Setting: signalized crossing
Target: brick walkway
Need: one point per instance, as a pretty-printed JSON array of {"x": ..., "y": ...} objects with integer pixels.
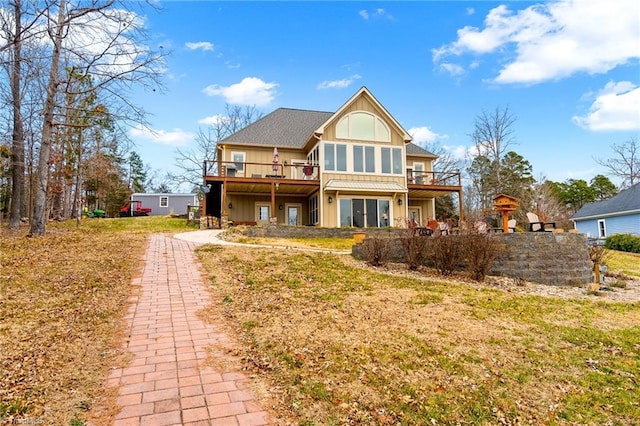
[{"x": 167, "y": 383}]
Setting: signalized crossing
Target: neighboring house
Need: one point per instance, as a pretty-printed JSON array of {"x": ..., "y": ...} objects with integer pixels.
[
  {"x": 353, "y": 167},
  {"x": 162, "y": 204},
  {"x": 619, "y": 214}
]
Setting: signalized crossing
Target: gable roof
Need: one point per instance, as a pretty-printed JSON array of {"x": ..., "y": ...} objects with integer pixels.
[
  {"x": 627, "y": 201},
  {"x": 284, "y": 127},
  {"x": 292, "y": 128},
  {"x": 365, "y": 92}
]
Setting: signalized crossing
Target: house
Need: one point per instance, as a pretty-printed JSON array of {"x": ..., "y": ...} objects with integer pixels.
[
  {"x": 619, "y": 214},
  {"x": 162, "y": 204},
  {"x": 355, "y": 167}
]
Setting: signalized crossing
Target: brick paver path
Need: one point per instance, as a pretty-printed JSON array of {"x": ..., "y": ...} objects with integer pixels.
[{"x": 167, "y": 383}]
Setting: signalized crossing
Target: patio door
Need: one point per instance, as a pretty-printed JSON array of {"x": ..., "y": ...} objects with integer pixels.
[
  {"x": 293, "y": 215},
  {"x": 415, "y": 213},
  {"x": 357, "y": 205},
  {"x": 263, "y": 212}
]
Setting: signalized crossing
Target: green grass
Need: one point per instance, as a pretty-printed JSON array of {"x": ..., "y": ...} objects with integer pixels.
[
  {"x": 142, "y": 224},
  {"x": 334, "y": 243}
]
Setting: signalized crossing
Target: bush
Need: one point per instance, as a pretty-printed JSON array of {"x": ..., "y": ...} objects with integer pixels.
[
  {"x": 480, "y": 251},
  {"x": 623, "y": 242},
  {"x": 415, "y": 248},
  {"x": 446, "y": 253},
  {"x": 376, "y": 251}
]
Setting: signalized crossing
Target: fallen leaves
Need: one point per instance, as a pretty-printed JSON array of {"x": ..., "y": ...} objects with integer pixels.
[{"x": 62, "y": 297}]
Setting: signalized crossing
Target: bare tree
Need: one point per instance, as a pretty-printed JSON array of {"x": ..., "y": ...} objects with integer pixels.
[
  {"x": 99, "y": 39},
  {"x": 189, "y": 162},
  {"x": 492, "y": 135},
  {"x": 626, "y": 165}
]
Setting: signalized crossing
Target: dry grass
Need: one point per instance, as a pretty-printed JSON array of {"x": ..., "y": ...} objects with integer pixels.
[
  {"x": 627, "y": 263},
  {"x": 338, "y": 343},
  {"x": 62, "y": 298}
]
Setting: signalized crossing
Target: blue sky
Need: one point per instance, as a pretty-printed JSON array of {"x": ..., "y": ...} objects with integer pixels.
[{"x": 568, "y": 71}]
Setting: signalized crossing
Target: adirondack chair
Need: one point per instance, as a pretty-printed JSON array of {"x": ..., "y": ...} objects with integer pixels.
[{"x": 536, "y": 225}]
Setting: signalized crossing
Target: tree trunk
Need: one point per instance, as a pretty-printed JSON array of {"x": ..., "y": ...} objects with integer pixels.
[
  {"x": 17, "y": 149},
  {"x": 40, "y": 210}
]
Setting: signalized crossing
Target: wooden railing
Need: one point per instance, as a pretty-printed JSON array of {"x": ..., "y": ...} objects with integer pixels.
[{"x": 261, "y": 170}]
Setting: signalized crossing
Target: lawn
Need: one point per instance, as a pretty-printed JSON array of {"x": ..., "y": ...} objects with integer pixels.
[
  {"x": 333, "y": 341},
  {"x": 338, "y": 343},
  {"x": 62, "y": 299}
]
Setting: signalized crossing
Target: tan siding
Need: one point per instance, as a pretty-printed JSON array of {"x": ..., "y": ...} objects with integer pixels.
[
  {"x": 428, "y": 163},
  {"x": 364, "y": 104},
  {"x": 264, "y": 158}
]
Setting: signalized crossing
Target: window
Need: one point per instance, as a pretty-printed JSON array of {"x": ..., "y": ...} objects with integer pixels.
[
  {"x": 397, "y": 161},
  {"x": 329, "y": 157},
  {"x": 238, "y": 158},
  {"x": 386, "y": 160},
  {"x": 364, "y": 159},
  {"x": 335, "y": 157},
  {"x": 364, "y": 126},
  {"x": 391, "y": 160},
  {"x": 313, "y": 210},
  {"x": 358, "y": 160},
  {"x": 602, "y": 229},
  {"x": 369, "y": 159},
  {"x": 164, "y": 201}
]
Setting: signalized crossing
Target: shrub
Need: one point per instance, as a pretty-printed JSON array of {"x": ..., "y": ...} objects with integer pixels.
[
  {"x": 446, "y": 253},
  {"x": 415, "y": 248},
  {"x": 480, "y": 251},
  {"x": 376, "y": 251},
  {"x": 623, "y": 242}
]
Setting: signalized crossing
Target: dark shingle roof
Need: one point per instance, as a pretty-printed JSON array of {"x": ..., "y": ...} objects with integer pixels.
[
  {"x": 626, "y": 201},
  {"x": 413, "y": 149},
  {"x": 283, "y": 127}
]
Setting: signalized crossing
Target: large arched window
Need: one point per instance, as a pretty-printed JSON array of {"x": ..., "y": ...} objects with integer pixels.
[{"x": 363, "y": 126}]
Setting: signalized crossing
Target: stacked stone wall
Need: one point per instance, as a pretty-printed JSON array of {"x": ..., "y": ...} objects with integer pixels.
[{"x": 541, "y": 257}]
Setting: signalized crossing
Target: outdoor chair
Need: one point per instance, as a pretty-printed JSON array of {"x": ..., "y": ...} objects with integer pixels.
[
  {"x": 536, "y": 225},
  {"x": 480, "y": 227},
  {"x": 511, "y": 224}
]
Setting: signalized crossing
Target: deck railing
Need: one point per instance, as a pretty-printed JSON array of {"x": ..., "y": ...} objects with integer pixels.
[
  {"x": 419, "y": 177},
  {"x": 261, "y": 170},
  {"x": 311, "y": 172}
]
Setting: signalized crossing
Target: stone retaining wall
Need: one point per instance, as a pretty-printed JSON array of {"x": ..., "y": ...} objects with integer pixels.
[
  {"x": 541, "y": 257},
  {"x": 546, "y": 258}
]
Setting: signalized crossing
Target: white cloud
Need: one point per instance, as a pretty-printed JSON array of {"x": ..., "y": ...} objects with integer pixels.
[
  {"x": 470, "y": 11},
  {"x": 213, "y": 120},
  {"x": 616, "y": 107},
  {"x": 199, "y": 45},
  {"x": 175, "y": 137},
  {"x": 553, "y": 40},
  {"x": 424, "y": 135},
  {"x": 452, "y": 69},
  {"x": 459, "y": 152},
  {"x": 250, "y": 91},
  {"x": 375, "y": 13},
  {"x": 338, "y": 84}
]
